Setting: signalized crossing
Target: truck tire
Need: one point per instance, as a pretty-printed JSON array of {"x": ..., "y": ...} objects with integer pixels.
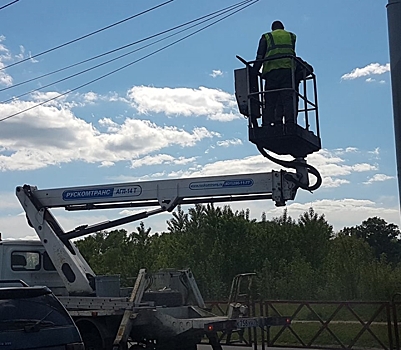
[{"x": 91, "y": 335}]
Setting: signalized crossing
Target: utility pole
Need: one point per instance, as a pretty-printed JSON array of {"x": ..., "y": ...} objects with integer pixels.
[{"x": 394, "y": 34}]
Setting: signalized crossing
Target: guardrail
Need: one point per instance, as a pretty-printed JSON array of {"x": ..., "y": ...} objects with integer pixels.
[{"x": 320, "y": 325}]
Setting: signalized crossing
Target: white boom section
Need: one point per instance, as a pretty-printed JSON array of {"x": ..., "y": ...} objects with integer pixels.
[
  {"x": 167, "y": 194},
  {"x": 68, "y": 261}
]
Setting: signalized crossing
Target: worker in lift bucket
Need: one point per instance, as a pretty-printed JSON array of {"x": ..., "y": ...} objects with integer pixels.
[
  {"x": 302, "y": 70},
  {"x": 277, "y": 74}
]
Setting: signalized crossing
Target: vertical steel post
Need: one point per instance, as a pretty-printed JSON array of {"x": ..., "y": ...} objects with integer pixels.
[{"x": 394, "y": 33}]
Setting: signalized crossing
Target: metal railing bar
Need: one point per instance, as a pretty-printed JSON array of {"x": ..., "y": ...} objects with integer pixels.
[
  {"x": 325, "y": 325},
  {"x": 288, "y": 327},
  {"x": 365, "y": 326}
]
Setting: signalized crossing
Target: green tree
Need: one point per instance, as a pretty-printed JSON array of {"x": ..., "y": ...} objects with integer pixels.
[
  {"x": 108, "y": 252},
  {"x": 300, "y": 259},
  {"x": 275, "y": 248},
  {"x": 142, "y": 251},
  {"x": 381, "y": 280},
  {"x": 117, "y": 252},
  {"x": 345, "y": 268},
  {"x": 381, "y": 236},
  {"x": 179, "y": 221},
  {"x": 213, "y": 241},
  {"x": 313, "y": 237}
]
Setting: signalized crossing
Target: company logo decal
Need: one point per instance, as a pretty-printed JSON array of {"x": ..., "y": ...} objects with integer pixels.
[
  {"x": 111, "y": 192},
  {"x": 210, "y": 185}
]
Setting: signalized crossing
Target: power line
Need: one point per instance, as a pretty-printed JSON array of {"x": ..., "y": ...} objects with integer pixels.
[
  {"x": 121, "y": 48},
  {"x": 87, "y": 35},
  {"x": 8, "y": 4},
  {"x": 222, "y": 11},
  {"x": 252, "y": 2}
]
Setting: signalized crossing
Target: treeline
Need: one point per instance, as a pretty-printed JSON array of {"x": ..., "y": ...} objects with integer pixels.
[{"x": 293, "y": 259}]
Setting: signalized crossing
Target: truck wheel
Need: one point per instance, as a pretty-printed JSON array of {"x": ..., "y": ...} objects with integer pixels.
[{"x": 90, "y": 335}]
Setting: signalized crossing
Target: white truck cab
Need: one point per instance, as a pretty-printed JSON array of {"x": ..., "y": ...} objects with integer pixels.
[{"x": 29, "y": 261}]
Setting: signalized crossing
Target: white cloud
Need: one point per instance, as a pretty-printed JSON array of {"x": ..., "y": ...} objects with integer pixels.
[
  {"x": 330, "y": 164},
  {"x": 332, "y": 168},
  {"x": 160, "y": 159},
  {"x": 253, "y": 164},
  {"x": 215, "y": 104},
  {"x": 342, "y": 212},
  {"x": 227, "y": 143},
  {"x": 375, "y": 152},
  {"x": 5, "y": 55},
  {"x": 361, "y": 167},
  {"x": 48, "y": 136},
  {"x": 339, "y": 212},
  {"x": 8, "y": 201},
  {"x": 56, "y": 98},
  {"x": 106, "y": 164},
  {"x": 378, "y": 178},
  {"x": 20, "y": 56},
  {"x": 342, "y": 151},
  {"x": 90, "y": 97},
  {"x": 33, "y": 60},
  {"x": 329, "y": 182},
  {"x": 16, "y": 227},
  {"x": 216, "y": 73},
  {"x": 371, "y": 69}
]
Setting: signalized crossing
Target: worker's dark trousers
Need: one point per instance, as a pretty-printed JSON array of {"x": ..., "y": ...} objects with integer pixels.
[{"x": 278, "y": 103}]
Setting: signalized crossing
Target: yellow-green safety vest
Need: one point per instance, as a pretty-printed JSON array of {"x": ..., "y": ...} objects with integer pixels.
[{"x": 279, "y": 42}]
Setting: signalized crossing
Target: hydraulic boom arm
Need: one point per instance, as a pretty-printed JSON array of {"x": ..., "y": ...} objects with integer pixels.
[{"x": 77, "y": 275}]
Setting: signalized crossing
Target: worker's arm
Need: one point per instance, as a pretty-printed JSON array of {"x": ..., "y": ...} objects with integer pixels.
[{"x": 261, "y": 52}]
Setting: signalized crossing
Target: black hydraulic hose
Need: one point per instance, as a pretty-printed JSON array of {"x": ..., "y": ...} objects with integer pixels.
[{"x": 294, "y": 164}]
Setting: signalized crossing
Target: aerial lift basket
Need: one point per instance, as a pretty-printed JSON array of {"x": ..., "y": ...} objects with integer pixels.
[{"x": 300, "y": 138}]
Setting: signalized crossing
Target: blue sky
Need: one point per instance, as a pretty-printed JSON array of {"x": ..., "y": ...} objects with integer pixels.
[{"x": 174, "y": 115}]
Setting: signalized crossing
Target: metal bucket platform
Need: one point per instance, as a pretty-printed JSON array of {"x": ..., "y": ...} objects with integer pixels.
[{"x": 285, "y": 139}]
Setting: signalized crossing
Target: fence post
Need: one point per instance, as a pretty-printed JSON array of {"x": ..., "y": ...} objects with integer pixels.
[
  {"x": 390, "y": 336},
  {"x": 395, "y": 320},
  {"x": 262, "y": 314},
  {"x": 255, "y": 333}
]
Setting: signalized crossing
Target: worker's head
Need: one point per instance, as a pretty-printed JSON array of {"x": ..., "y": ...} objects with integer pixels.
[{"x": 277, "y": 25}]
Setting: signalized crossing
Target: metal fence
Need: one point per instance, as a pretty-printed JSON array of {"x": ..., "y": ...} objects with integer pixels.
[{"x": 321, "y": 325}]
